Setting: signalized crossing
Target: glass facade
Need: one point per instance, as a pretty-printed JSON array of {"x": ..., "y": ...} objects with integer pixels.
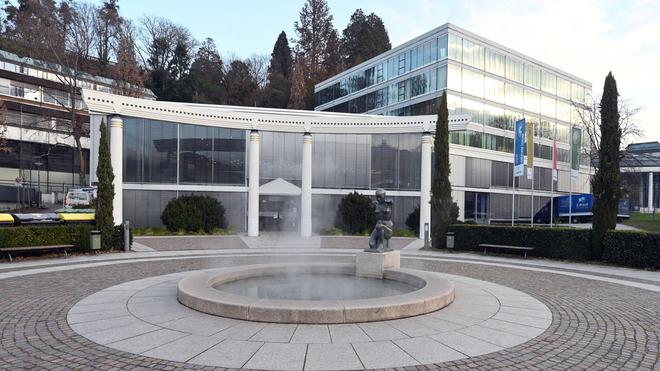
[{"x": 205, "y": 155}]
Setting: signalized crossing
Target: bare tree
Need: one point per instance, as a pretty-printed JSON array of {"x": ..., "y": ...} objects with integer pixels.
[
  {"x": 70, "y": 42},
  {"x": 128, "y": 77},
  {"x": 258, "y": 64},
  {"x": 588, "y": 116},
  {"x": 4, "y": 145}
]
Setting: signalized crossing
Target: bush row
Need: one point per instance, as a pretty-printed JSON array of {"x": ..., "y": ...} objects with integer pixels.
[
  {"x": 76, "y": 235},
  {"x": 556, "y": 243},
  {"x": 625, "y": 248},
  {"x": 632, "y": 249}
]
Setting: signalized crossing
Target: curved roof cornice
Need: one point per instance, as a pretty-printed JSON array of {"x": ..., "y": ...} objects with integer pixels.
[{"x": 268, "y": 119}]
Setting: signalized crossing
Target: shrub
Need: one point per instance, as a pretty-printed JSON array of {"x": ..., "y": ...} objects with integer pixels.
[
  {"x": 412, "y": 221},
  {"x": 76, "y": 235},
  {"x": 632, "y": 249},
  {"x": 556, "y": 243},
  {"x": 355, "y": 214},
  {"x": 194, "y": 213}
]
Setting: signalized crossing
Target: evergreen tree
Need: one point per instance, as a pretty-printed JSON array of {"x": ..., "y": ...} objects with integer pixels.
[
  {"x": 240, "y": 85},
  {"x": 441, "y": 202},
  {"x": 280, "y": 72},
  {"x": 106, "y": 190},
  {"x": 314, "y": 29},
  {"x": 333, "y": 64},
  {"x": 606, "y": 183},
  {"x": 363, "y": 38},
  {"x": 206, "y": 75}
]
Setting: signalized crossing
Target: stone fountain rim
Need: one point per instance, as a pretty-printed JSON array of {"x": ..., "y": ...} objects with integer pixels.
[{"x": 197, "y": 292}]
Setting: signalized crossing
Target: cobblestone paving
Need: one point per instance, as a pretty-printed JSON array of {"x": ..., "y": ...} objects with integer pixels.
[{"x": 596, "y": 325}]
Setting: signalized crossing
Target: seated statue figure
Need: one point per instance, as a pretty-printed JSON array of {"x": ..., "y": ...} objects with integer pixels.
[{"x": 380, "y": 237}]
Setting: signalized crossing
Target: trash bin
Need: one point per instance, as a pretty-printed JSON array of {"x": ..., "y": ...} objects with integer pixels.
[
  {"x": 95, "y": 240},
  {"x": 450, "y": 240}
]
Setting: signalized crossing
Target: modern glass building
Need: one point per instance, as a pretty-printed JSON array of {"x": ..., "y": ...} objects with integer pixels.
[{"x": 494, "y": 86}]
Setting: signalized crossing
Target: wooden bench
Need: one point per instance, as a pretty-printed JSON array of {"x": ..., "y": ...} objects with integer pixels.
[
  {"x": 10, "y": 250},
  {"x": 486, "y": 246}
]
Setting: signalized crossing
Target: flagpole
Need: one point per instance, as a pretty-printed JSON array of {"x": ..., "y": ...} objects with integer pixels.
[
  {"x": 513, "y": 182},
  {"x": 570, "y": 184},
  {"x": 552, "y": 182}
]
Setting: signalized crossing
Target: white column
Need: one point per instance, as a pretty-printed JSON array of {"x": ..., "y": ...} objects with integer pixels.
[
  {"x": 650, "y": 195},
  {"x": 425, "y": 186},
  {"x": 306, "y": 195},
  {"x": 253, "y": 189},
  {"x": 116, "y": 158}
]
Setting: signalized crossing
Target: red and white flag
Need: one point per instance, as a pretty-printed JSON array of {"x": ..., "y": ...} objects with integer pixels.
[{"x": 554, "y": 160}]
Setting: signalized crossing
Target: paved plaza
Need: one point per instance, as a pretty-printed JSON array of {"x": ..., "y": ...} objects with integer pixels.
[{"x": 120, "y": 311}]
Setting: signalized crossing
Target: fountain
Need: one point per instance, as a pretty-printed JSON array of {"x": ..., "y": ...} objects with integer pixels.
[{"x": 375, "y": 288}]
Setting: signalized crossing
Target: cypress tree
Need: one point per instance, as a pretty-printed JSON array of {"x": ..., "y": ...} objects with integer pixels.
[
  {"x": 606, "y": 184},
  {"x": 280, "y": 71},
  {"x": 106, "y": 190},
  {"x": 441, "y": 202}
]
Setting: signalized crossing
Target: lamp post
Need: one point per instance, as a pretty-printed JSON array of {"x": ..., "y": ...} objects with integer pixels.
[{"x": 38, "y": 164}]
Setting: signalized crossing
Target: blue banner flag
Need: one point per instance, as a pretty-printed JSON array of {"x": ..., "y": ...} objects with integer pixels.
[{"x": 519, "y": 149}]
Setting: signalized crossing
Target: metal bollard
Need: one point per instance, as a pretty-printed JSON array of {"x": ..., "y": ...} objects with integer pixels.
[
  {"x": 127, "y": 236},
  {"x": 426, "y": 236}
]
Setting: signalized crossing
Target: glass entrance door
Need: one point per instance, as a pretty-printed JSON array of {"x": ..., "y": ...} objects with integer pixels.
[{"x": 279, "y": 213}]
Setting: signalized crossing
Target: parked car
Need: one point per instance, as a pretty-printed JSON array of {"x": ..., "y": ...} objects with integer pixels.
[{"x": 80, "y": 197}]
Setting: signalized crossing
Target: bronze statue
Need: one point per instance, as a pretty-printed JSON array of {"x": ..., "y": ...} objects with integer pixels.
[{"x": 380, "y": 237}]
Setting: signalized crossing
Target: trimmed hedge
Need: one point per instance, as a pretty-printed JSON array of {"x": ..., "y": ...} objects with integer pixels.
[
  {"x": 624, "y": 248},
  {"x": 76, "y": 235},
  {"x": 555, "y": 243},
  {"x": 632, "y": 249}
]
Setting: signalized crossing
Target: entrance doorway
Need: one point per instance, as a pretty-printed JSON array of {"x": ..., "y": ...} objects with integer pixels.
[{"x": 279, "y": 213}]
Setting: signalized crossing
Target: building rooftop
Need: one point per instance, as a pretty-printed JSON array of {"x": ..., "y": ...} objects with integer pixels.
[
  {"x": 644, "y": 147},
  {"x": 450, "y": 26}
]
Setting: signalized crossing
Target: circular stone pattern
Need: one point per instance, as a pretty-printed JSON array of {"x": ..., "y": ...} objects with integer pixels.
[
  {"x": 143, "y": 317},
  {"x": 203, "y": 292}
]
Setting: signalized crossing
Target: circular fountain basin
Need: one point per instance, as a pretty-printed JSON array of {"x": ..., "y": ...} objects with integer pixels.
[{"x": 313, "y": 293}]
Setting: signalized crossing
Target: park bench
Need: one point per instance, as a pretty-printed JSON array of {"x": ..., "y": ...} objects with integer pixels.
[
  {"x": 10, "y": 250},
  {"x": 487, "y": 246}
]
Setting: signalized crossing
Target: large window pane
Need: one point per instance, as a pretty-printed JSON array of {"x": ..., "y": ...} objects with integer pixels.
[
  {"x": 455, "y": 47},
  {"x": 195, "y": 154},
  {"x": 514, "y": 96},
  {"x": 532, "y": 76},
  {"x": 548, "y": 82},
  {"x": 133, "y": 149},
  {"x": 532, "y": 101},
  {"x": 495, "y": 62},
  {"x": 473, "y": 83},
  {"x": 514, "y": 69},
  {"x": 228, "y": 156},
  {"x": 160, "y": 142},
  {"x": 494, "y": 89}
]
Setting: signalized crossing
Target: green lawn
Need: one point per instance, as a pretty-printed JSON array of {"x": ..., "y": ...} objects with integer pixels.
[{"x": 644, "y": 222}]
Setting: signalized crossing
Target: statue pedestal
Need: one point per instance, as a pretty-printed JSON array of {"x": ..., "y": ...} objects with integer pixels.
[{"x": 372, "y": 264}]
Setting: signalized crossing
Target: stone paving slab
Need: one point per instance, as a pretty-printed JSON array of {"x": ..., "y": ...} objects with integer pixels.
[
  {"x": 332, "y": 357},
  {"x": 229, "y": 353},
  {"x": 596, "y": 323},
  {"x": 426, "y": 350},
  {"x": 279, "y": 356},
  {"x": 383, "y": 354}
]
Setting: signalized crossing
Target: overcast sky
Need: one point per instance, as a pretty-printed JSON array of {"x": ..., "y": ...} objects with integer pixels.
[{"x": 586, "y": 38}]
